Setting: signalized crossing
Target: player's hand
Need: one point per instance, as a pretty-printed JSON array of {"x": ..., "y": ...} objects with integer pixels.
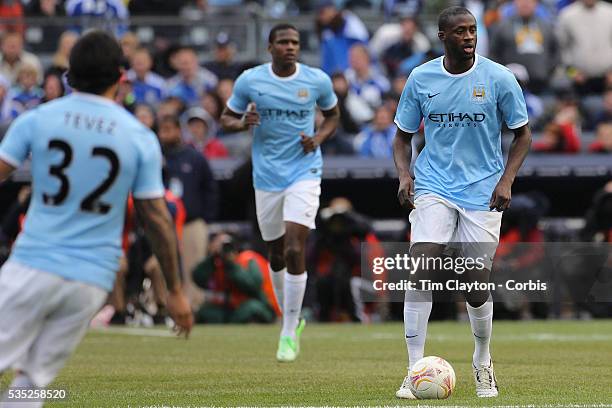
[
  {"x": 405, "y": 193},
  {"x": 180, "y": 312},
  {"x": 250, "y": 117},
  {"x": 501, "y": 197},
  {"x": 309, "y": 143}
]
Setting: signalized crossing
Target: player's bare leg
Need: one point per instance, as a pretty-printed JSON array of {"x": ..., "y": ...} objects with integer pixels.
[
  {"x": 277, "y": 267},
  {"x": 417, "y": 307},
  {"x": 293, "y": 291}
]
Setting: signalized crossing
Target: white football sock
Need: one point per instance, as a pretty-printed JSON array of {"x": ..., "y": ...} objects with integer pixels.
[
  {"x": 356, "y": 283},
  {"x": 22, "y": 381},
  {"x": 278, "y": 277},
  {"x": 481, "y": 320},
  {"x": 417, "y": 307},
  {"x": 295, "y": 286}
]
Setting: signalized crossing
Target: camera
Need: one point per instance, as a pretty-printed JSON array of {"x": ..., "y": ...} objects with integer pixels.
[{"x": 228, "y": 246}]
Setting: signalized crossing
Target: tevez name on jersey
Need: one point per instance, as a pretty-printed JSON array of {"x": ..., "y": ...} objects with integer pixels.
[
  {"x": 87, "y": 154},
  {"x": 287, "y": 107},
  {"x": 463, "y": 115}
]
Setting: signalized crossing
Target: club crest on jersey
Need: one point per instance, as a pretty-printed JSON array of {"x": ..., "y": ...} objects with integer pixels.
[
  {"x": 479, "y": 94},
  {"x": 302, "y": 93}
]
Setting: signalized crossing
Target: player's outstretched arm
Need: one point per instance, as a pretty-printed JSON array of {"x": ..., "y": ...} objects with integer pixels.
[
  {"x": 331, "y": 118},
  {"x": 402, "y": 155},
  {"x": 236, "y": 122},
  {"x": 502, "y": 195},
  {"x": 159, "y": 230},
  {"x": 5, "y": 170}
]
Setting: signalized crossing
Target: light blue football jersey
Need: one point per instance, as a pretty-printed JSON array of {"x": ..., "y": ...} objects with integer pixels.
[
  {"x": 87, "y": 154},
  {"x": 286, "y": 107},
  {"x": 463, "y": 114}
]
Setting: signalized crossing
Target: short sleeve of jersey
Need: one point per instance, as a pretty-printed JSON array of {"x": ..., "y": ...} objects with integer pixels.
[
  {"x": 327, "y": 98},
  {"x": 15, "y": 146},
  {"x": 240, "y": 95},
  {"x": 148, "y": 181},
  {"x": 409, "y": 115},
  {"x": 511, "y": 101}
]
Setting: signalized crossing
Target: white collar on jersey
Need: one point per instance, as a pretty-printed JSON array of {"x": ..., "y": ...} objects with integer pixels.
[
  {"x": 94, "y": 98},
  {"x": 290, "y": 77},
  {"x": 461, "y": 74}
]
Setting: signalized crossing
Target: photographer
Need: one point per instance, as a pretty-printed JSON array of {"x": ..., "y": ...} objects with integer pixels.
[
  {"x": 233, "y": 289},
  {"x": 591, "y": 273},
  {"x": 335, "y": 255}
]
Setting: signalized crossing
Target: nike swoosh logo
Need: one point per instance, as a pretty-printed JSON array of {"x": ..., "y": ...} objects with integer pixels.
[
  {"x": 431, "y": 96},
  {"x": 411, "y": 337},
  {"x": 260, "y": 93},
  {"x": 475, "y": 335}
]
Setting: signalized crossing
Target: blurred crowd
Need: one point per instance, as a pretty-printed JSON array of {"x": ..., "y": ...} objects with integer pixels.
[{"x": 559, "y": 50}]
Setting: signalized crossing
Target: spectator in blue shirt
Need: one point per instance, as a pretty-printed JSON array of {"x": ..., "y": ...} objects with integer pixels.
[
  {"x": 191, "y": 81},
  {"x": 27, "y": 93},
  {"x": 509, "y": 10},
  {"x": 365, "y": 79},
  {"x": 376, "y": 140},
  {"x": 148, "y": 87},
  {"x": 338, "y": 32},
  {"x": 110, "y": 15}
]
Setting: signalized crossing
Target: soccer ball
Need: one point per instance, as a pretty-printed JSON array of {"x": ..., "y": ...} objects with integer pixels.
[{"x": 432, "y": 378}]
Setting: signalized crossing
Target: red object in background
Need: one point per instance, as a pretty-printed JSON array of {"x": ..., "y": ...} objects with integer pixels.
[
  {"x": 512, "y": 240},
  {"x": 243, "y": 260},
  {"x": 22, "y": 218},
  {"x": 569, "y": 135},
  {"x": 572, "y": 141},
  {"x": 375, "y": 251},
  {"x": 220, "y": 283},
  {"x": 178, "y": 217},
  {"x": 326, "y": 258},
  {"x": 128, "y": 224},
  {"x": 180, "y": 214},
  {"x": 14, "y": 13},
  {"x": 124, "y": 78},
  {"x": 597, "y": 147},
  {"x": 215, "y": 149}
]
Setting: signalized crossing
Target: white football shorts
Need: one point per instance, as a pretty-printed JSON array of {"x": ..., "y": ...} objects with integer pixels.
[
  {"x": 437, "y": 220},
  {"x": 43, "y": 317},
  {"x": 299, "y": 203}
]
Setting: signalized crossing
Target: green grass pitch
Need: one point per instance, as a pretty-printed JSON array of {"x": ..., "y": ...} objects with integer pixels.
[{"x": 537, "y": 363}]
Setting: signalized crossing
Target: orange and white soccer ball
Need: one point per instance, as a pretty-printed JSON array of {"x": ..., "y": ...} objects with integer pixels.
[{"x": 432, "y": 378}]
